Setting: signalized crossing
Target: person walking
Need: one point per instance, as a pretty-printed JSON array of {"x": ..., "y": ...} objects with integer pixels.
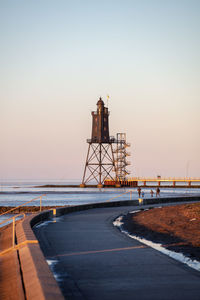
[
  {"x": 151, "y": 192},
  {"x": 139, "y": 192},
  {"x": 157, "y": 192}
]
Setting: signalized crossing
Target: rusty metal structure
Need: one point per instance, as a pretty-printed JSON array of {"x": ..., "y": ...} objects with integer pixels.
[
  {"x": 100, "y": 162},
  {"x": 120, "y": 153}
]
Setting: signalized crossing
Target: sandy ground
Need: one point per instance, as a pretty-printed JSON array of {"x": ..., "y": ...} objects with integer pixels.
[{"x": 176, "y": 227}]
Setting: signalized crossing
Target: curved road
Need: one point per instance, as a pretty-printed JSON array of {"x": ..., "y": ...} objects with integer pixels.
[{"x": 93, "y": 260}]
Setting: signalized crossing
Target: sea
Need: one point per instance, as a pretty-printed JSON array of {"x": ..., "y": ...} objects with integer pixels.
[{"x": 15, "y": 193}]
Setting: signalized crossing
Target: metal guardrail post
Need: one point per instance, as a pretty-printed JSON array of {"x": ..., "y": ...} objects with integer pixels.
[
  {"x": 14, "y": 245},
  {"x": 13, "y": 241},
  {"x": 40, "y": 203}
]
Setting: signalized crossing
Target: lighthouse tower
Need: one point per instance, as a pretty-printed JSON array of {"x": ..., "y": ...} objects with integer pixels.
[{"x": 100, "y": 158}]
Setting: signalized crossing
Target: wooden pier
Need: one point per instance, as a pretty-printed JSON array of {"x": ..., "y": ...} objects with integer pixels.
[{"x": 152, "y": 182}]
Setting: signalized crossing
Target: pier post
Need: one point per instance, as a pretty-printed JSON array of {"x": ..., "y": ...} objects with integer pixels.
[{"x": 174, "y": 183}]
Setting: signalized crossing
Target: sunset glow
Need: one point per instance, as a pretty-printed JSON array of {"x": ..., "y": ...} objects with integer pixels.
[{"x": 57, "y": 59}]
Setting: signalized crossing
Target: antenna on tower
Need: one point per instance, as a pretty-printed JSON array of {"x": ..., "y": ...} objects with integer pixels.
[{"x": 108, "y": 97}]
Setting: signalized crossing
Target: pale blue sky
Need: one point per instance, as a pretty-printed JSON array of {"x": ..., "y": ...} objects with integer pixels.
[{"x": 58, "y": 57}]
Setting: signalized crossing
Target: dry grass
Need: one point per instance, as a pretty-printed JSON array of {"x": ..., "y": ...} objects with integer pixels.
[{"x": 180, "y": 221}]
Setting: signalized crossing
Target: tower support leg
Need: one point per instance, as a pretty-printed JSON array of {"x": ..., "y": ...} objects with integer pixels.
[
  {"x": 99, "y": 164},
  {"x": 83, "y": 184}
]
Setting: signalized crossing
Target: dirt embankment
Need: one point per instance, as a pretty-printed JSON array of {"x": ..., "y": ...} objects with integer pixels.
[
  {"x": 26, "y": 209},
  {"x": 176, "y": 227}
]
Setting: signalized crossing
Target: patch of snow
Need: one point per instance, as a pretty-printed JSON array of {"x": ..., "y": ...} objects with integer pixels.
[
  {"x": 42, "y": 223},
  {"x": 178, "y": 256},
  {"x": 135, "y": 211},
  {"x": 118, "y": 222},
  {"x": 52, "y": 263}
]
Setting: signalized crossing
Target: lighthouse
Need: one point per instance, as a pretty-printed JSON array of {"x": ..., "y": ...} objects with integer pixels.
[
  {"x": 100, "y": 129},
  {"x": 100, "y": 162}
]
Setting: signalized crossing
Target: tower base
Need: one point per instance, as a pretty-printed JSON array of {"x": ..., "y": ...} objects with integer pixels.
[
  {"x": 99, "y": 164},
  {"x": 117, "y": 185},
  {"x": 82, "y": 185},
  {"x": 100, "y": 186}
]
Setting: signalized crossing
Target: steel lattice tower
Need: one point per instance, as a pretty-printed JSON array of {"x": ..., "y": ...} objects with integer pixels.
[{"x": 100, "y": 161}]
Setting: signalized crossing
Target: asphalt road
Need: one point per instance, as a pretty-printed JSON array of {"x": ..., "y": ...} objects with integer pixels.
[{"x": 94, "y": 260}]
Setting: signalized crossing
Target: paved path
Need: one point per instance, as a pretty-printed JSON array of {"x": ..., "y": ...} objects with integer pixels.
[{"x": 96, "y": 261}]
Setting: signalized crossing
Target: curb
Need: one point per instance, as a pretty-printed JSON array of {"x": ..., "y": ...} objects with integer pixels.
[{"x": 38, "y": 280}]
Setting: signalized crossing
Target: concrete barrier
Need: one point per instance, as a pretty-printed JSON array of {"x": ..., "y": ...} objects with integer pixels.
[
  {"x": 39, "y": 282},
  {"x": 146, "y": 201},
  {"x": 11, "y": 286}
]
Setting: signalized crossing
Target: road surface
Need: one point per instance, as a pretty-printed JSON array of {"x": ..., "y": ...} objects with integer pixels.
[{"x": 92, "y": 259}]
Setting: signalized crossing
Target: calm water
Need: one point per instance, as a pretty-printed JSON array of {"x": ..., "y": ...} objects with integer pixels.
[{"x": 15, "y": 193}]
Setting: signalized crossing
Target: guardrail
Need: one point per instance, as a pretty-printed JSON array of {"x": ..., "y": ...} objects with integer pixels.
[
  {"x": 14, "y": 246},
  {"x": 13, "y": 232},
  {"x": 14, "y": 208},
  {"x": 184, "y": 179}
]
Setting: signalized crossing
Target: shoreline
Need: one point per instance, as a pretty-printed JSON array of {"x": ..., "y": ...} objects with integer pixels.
[
  {"x": 27, "y": 209},
  {"x": 113, "y": 186},
  {"x": 105, "y": 187}
]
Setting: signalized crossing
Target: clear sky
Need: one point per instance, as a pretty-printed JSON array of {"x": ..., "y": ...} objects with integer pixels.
[{"x": 58, "y": 57}]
